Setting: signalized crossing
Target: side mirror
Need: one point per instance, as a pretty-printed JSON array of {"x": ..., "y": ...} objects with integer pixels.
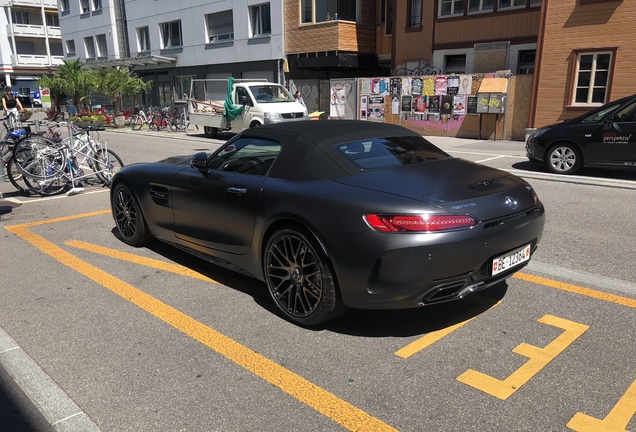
[
  {"x": 200, "y": 162},
  {"x": 244, "y": 100}
]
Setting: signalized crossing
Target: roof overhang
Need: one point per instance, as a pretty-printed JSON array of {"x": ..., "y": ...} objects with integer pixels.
[{"x": 147, "y": 60}]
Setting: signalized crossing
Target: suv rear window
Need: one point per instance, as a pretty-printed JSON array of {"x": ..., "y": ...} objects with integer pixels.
[{"x": 389, "y": 152}]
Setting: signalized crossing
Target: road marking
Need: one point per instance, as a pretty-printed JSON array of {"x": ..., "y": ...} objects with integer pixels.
[
  {"x": 491, "y": 158},
  {"x": 137, "y": 259},
  {"x": 600, "y": 295},
  {"x": 432, "y": 337},
  {"x": 539, "y": 358},
  {"x": 293, "y": 384},
  {"x": 617, "y": 419}
]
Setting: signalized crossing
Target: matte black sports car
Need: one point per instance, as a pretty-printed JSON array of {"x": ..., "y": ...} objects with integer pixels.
[
  {"x": 337, "y": 214},
  {"x": 604, "y": 137}
]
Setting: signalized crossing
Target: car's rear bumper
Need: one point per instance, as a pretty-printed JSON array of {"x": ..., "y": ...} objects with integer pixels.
[{"x": 416, "y": 270}]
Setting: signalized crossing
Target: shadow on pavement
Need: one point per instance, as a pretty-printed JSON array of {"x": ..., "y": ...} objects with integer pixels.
[{"x": 17, "y": 412}]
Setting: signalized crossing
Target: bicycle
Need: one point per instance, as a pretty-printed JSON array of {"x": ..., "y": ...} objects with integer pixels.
[
  {"x": 13, "y": 133},
  {"x": 52, "y": 167},
  {"x": 140, "y": 119}
]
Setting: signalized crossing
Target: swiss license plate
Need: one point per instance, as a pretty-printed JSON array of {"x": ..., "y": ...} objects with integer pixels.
[{"x": 510, "y": 260}]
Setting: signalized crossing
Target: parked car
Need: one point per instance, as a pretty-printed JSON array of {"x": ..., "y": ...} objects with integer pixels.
[
  {"x": 36, "y": 99},
  {"x": 604, "y": 137},
  {"x": 336, "y": 214}
]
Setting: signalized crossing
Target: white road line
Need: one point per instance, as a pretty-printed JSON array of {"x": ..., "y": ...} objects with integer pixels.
[
  {"x": 54, "y": 404},
  {"x": 491, "y": 158}
]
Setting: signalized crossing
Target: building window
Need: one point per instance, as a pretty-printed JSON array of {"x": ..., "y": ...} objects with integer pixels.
[
  {"x": 70, "y": 48},
  {"x": 85, "y": 6},
  {"x": 525, "y": 64},
  {"x": 455, "y": 64},
  {"x": 20, "y": 17},
  {"x": 313, "y": 11},
  {"x": 534, "y": 3},
  {"x": 451, "y": 8},
  {"x": 102, "y": 46},
  {"x": 592, "y": 76},
  {"x": 171, "y": 34},
  {"x": 511, "y": 4},
  {"x": 477, "y": 6},
  {"x": 65, "y": 5},
  {"x": 143, "y": 39},
  {"x": 182, "y": 86},
  {"x": 414, "y": 13},
  {"x": 97, "y": 5},
  {"x": 89, "y": 46},
  {"x": 220, "y": 26},
  {"x": 385, "y": 16},
  {"x": 52, "y": 20},
  {"x": 260, "y": 20}
]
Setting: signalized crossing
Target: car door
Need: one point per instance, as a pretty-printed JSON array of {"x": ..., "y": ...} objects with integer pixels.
[
  {"x": 242, "y": 121},
  {"x": 615, "y": 144},
  {"x": 217, "y": 207}
]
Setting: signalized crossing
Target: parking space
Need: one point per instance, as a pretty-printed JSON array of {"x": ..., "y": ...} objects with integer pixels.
[{"x": 532, "y": 354}]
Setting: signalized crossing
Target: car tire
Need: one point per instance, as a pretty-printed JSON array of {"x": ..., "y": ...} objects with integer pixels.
[
  {"x": 129, "y": 219},
  {"x": 210, "y": 132},
  {"x": 300, "y": 278},
  {"x": 563, "y": 158}
]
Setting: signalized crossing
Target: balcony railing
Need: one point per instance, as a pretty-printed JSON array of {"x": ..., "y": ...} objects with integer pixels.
[
  {"x": 36, "y": 60},
  {"x": 46, "y": 3},
  {"x": 32, "y": 30}
]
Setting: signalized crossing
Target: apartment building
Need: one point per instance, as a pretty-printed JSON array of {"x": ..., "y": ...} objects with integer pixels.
[
  {"x": 585, "y": 58},
  {"x": 171, "y": 42},
  {"x": 32, "y": 43}
]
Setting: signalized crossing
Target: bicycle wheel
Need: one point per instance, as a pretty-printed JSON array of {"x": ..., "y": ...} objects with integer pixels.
[
  {"x": 136, "y": 123},
  {"x": 152, "y": 122},
  {"x": 40, "y": 160},
  {"x": 107, "y": 164},
  {"x": 16, "y": 178}
]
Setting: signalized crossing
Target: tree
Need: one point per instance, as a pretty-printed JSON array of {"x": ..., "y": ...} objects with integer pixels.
[
  {"x": 56, "y": 86},
  {"x": 78, "y": 82}
]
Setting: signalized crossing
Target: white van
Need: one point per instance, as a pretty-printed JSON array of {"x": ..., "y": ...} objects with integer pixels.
[{"x": 262, "y": 103}]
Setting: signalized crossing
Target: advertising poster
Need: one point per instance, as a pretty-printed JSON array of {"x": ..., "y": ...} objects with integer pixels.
[
  {"x": 406, "y": 86},
  {"x": 420, "y": 104},
  {"x": 365, "y": 86},
  {"x": 364, "y": 103},
  {"x": 379, "y": 86},
  {"x": 429, "y": 86},
  {"x": 407, "y": 104},
  {"x": 447, "y": 105},
  {"x": 337, "y": 105},
  {"x": 452, "y": 85},
  {"x": 433, "y": 104},
  {"x": 459, "y": 104},
  {"x": 440, "y": 85},
  {"x": 465, "y": 84},
  {"x": 376, "y": 109},
  {"x": 395, "y": 104},
  {"x": 471, "y": 105},
  {"x": 396, "y": 86},
  {"x": 416, "y": 86}
]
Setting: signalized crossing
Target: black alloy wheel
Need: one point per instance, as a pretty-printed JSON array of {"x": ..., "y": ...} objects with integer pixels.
[
  {"x": 300, "y": 279},
  {"x": 128, "y": 217}
]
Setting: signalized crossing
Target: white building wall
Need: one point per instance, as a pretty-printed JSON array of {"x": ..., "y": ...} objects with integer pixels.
[{"x": 77, "y": 26}]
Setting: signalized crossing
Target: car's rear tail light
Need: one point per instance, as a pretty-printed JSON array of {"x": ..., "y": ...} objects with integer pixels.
[{"x": 419, "y": 223}]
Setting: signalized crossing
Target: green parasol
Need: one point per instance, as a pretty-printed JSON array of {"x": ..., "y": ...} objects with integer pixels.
[{"x": 231, "y": 111}]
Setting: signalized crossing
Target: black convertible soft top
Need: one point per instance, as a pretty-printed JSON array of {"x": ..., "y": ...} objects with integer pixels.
[{"x": 308, "y": 146}]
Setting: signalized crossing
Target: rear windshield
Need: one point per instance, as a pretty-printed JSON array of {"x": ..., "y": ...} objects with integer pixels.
[{"x": 389, "y": 152}]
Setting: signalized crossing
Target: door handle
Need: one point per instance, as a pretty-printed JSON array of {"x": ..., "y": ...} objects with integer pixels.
[
  {"x": 237, "y": 190},
  {"x": 588, "y": 135}
]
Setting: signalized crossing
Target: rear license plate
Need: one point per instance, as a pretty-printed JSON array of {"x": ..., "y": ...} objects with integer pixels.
[{"x": 510, "y": 260}]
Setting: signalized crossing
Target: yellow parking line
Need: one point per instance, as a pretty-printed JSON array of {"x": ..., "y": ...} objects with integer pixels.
[
  {"x": 324, "y": 402},
  {"x": 577, "y": 289},
  {"x": 136, "y": 259}
]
